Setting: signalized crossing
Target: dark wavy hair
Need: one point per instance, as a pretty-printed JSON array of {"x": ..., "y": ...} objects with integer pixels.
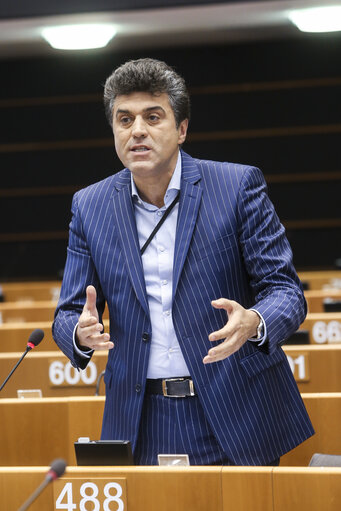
[{"x": 148, "y": 75}]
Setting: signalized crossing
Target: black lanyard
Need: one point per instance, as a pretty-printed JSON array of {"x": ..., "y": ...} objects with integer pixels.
[{"x": 158, "y": 225}]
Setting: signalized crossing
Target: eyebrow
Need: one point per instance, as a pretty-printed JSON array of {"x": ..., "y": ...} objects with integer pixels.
[{"x": 148, "y": 109}]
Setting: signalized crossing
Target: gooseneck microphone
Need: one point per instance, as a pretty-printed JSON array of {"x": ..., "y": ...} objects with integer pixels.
[
  {"x": 57, "y": 469},
  {"x": 35, "y": 338}
]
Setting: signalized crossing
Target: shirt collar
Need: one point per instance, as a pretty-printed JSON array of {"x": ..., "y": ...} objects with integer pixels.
[{"x": 172, "y": 189}]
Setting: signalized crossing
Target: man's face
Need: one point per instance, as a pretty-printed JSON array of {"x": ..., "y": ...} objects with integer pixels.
[{"x": 146, "y": 137}]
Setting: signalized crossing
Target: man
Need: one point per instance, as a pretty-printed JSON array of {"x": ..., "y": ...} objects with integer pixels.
[{"x": 196, "y": 322}]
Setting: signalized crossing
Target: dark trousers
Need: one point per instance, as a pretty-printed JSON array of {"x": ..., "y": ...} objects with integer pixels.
[{"x": 177, "y": 426}]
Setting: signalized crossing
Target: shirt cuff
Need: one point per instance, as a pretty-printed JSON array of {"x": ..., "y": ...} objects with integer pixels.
[
  {"x": 262, "y": 339},
  {"x": 84, "y": 354}
]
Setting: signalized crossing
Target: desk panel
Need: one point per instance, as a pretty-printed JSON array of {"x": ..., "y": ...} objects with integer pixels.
[
  {"x": 307, "y": 489},
  {"x": 246, "y": 488},
  {"x": 24, "y": 291},
  {"x": 317, "y": 368},
  {"x": 325, "y": 414},
  {"x": 315, "y": 298},
  {"x": 189, "y": 488},
  {"x": 21, "y": 312},
  {"x": 321, "y": 279},
  {"x": 148, "y": 488},
  {"x": 38, "y": 430},
  {"x": 14, "y": 336},
  {"x": 52, "y": 373},
  {"x": 323, "y": 327}
]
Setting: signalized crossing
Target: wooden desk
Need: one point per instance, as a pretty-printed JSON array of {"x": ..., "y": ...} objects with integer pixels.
[
  {"x": 317, "y": 368},
  {"x": 52, "y": 373},
  {"x": 31, "y": 291},
  {"x": 323, "y": 327},
  {"x": 20, "y": 312},
  {"x": 184, "y": 489},
  {"x": 315, "y": 298},
  {"x": 307, "y": 489},
  {"x": 34, "y": 431},
  {"x": 324, "y": 410},
  {"x": 14, "y": 336},
  {"x": 321, "y": 279},
  {"x": 17, "y": 312}
]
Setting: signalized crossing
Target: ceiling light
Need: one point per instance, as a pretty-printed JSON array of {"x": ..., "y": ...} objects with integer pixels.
[
  {"x": 317, "y": 19},
  {"x": 79, "y": 37}
]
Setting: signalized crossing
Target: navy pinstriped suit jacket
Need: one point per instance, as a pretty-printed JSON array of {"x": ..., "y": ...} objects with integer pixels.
[{"x": 229, "y": 243}]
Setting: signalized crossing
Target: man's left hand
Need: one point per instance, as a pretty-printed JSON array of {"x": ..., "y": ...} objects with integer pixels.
[{"x": 241, "y": 325}]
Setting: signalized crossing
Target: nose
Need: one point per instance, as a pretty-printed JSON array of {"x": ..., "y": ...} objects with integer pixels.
[{"x": 139, "y": 128}]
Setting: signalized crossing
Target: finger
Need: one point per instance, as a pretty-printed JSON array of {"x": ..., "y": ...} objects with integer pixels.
[
  {"x": 223, "y": 351},
  {"x": 94, "y": 341},
  {"x": 90, "y": 304},
  {"x": 223, "y": 303},
  {"x": 87, "y": 321},
  {"x": 230, "y": 328},
  {"x": 100, "y": 342},
  {"x": 89, "y": 330},
  {"x": 223, "y": 333}
]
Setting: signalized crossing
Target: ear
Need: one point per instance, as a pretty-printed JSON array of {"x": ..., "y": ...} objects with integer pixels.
[{"x": 182, "y": 130}]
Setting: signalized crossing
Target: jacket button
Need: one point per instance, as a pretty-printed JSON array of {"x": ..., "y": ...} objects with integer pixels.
[
  {"x": 145, "y": 337},
  {"x": 138, "y": 388}
]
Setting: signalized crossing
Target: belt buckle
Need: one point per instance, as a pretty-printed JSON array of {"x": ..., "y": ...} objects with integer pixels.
[{"x": 190, "y": 385}]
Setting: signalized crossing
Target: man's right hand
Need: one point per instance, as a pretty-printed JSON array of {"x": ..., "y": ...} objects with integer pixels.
[{"x": 89, "y": 330}]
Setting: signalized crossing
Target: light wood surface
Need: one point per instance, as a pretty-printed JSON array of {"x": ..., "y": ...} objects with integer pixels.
[
  {"x": 36, "y": 430},
  {"x": 321, "y": 279},
  {"x": 307, "y": 489},
  {"x": 324, "y": 410},
  {"x": 21, "y": 312},
  {"x": 323, "y": 327},
  {"x": 14, "y": 336},
  {"x": 18, "y": 312},
  {"x": 247, "y": 489},
  {"x": 24, "y": 291},
  {"x": 317, "y": 368},
  {"x": 188, "y": 488},
  {"x": 316, "y": 297},
  {"x": 52, "y": 373}
]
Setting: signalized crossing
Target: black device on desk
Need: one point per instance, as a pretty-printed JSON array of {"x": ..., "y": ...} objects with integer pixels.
[{"x": 103, "y": 452}]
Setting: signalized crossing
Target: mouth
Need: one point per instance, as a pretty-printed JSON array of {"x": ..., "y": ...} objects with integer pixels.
[{"x": 139, "y": 148}]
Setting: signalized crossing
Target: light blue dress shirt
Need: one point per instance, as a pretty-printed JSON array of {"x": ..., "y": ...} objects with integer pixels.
[{"x": 165, "y": 359}]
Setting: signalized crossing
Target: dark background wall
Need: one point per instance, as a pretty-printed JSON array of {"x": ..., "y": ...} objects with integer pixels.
[{"x": 272, "y": 104}]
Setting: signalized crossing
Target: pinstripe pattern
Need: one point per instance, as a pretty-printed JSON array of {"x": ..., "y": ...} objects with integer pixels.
[
  {"x": 176, "y": 426},
  {"x": 229, "y": 243}
]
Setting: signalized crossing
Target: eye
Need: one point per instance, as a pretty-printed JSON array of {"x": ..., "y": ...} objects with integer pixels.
[
  {"x": 154, "y": 117},
  {"x": 125, "y": 120}
]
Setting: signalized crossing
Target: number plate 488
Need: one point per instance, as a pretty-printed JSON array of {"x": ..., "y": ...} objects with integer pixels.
[{"x": 96, "y": 494}]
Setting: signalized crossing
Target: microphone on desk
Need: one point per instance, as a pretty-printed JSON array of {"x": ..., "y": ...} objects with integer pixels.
[
  {"x": 35, "y": 338},
  {"x": 57, "y": 469}
]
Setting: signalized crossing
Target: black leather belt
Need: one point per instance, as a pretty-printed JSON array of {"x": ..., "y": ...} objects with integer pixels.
[{"x": 171, "y": 387}]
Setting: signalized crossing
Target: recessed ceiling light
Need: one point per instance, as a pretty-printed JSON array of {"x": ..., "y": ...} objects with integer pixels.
[
  {"x": 317, "y": 19},
  {"x": 79, "y": 37}
]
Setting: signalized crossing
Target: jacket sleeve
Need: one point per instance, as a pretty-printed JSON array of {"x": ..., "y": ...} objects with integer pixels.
[
  {"x": 278, "y": 293},
  {"x": 78, "y": 274}
]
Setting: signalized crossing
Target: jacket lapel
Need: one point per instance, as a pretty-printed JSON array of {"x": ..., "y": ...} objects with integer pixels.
[
  {"x": 125, "y": 224},
  {"x": 190, "y": 198}
]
